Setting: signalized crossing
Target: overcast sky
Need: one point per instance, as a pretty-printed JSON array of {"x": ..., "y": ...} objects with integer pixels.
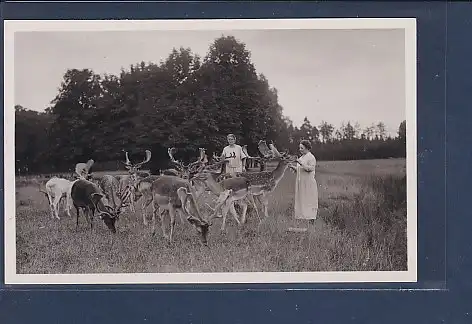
[{"x": 331, "y": 75}]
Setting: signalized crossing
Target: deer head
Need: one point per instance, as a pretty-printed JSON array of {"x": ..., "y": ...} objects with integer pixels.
[
  {"x": 190, "y": 169},
  {"x": 105, "y": 213},
  {"x": 190, "y": 208},
  {"x": 133, "y": 168}
]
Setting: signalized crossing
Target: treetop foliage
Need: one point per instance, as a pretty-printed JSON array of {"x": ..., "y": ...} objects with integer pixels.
[{"x": 185, "y": 102}]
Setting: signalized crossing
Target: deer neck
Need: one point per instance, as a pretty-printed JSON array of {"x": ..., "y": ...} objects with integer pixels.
[
  {"x": 214, "y": 186},
  {"x": 279, "y": 172}
]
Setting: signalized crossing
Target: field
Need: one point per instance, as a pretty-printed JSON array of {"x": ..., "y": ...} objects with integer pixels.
[{"x": 361, "y": 226}]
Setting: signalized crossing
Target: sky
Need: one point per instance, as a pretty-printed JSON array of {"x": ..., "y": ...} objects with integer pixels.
[{"x": 331, "y": 75}]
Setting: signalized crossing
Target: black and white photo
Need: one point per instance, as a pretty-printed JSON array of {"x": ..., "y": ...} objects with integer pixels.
[{"x": 210, "y": 151}]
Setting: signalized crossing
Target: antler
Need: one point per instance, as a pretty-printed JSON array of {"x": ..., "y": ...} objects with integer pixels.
[
  {"x": 146, "y": 159},
  {"x": 171, "y": 151},
  {"x": 265, "y": 151},
  {"x": 274, "y": 151},
  {"x": 216, "y": 157}
]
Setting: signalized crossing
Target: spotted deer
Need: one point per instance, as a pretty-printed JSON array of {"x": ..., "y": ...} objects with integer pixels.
[
  {"x": 110, "y": 186},
  {"x": 128, "y": 182},
  {"x": 174, "y": 194},
  {"x": 264, "y": 183},
  {"x": 229, "y": 191}
]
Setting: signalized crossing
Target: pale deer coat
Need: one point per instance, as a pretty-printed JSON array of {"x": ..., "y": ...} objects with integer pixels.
[{"x": 306, "y": 188}]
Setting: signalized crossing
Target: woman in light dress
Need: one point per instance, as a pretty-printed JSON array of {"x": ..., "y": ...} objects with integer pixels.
[{"x": 306, "y": 188}]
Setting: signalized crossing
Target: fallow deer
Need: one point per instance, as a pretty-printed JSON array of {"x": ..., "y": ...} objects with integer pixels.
[
  {"x": 128, "y": 182},
  {"x": 110, "y": 186},
  {"x": 56, "y": 189},
  {"x": 174, "y": 194},
  {"x": 229, "y": 191},
  {"x": 264, "y": 182},
  {"x": 90, "y": 198}
]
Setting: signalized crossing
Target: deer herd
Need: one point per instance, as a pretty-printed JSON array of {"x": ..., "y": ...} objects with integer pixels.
[{"x": 173, "y": 191}]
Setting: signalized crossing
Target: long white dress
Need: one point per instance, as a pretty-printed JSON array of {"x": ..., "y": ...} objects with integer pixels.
[{"x": 306, "y": 188}]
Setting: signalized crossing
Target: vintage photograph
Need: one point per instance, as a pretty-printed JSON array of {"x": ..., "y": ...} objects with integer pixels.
[{"x": 221, "y": 151}]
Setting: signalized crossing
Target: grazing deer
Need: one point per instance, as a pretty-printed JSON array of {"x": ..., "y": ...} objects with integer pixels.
[
  {"x": 229, "y": 191},
  {"x": 264, "y": 182},
  {"x": 89, "y": 197},
  {"x": 83, "y": 169},
  {"x": 174, "y": 194},
  {"x": 110, "y": 186},
  {"x": 55, "y": 189}
]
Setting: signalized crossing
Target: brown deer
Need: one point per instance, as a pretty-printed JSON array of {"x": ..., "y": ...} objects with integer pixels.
[
  {"x": 174, "y": 194},
  {"x": 89, "y": 197},
  {"x": 264, "y": 182},
  {"x": 110, "y": 186},
  {"x": 229, "y": 191},
  {"x": 128, "y": 182}
]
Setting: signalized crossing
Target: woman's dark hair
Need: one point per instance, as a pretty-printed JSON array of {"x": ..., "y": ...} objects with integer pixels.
[{"x": 307, "y": 144}]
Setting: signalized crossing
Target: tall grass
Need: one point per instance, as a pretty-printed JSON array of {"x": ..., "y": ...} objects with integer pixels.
[
  {"x": 361, "y": 227},
  {"x": 376, "y": 219}
]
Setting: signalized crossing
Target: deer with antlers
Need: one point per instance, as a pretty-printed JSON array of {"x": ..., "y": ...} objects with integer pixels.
[
  {"x": 229, "y": 191},
  {"x": 90, "y": 198},
  {"x": 173, "y": 194},
  {"x": 128, "y": 182},
  {"x": 143, "y": 186},
  {"x": 264, "y": 183}
]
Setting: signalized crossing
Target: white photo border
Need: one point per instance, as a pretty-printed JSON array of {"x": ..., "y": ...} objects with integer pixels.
[{"x": 409, "y": 26}]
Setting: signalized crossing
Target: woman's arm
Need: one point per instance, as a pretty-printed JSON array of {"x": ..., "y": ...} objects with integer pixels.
[{"x": 308, "y": 166}]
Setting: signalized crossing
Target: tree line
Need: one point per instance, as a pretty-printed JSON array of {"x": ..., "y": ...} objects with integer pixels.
[{"x": 186, "y": 102}]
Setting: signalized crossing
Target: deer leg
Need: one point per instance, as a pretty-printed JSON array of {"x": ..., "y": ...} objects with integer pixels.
[
  {"x": 226, "y": 207},
  {"x": 154, "y": 212},
  {"x": 77, "y": 213},
  {"x": 56, "y": 202},
  {"x": 265, "y": 203},
  {"x": 145, "y": 204},
  {"x": 161, "y": 215},
  {"x": 234, "y": 213},
  {"x": 90, "y": 213},
  {"x": 172, "y": 212},
  {"x": 250, "y": 197},
  {"x": 68, "y": 206},
  {"x": 243, "y": 205},
  {"x": 222, "y": 198}
]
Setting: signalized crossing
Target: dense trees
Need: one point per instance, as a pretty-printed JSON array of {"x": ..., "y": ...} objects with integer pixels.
[{"x": 184, "y": 101}]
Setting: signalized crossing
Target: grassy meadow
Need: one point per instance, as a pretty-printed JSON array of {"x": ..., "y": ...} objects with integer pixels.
[{"x": 361, "y": 227}]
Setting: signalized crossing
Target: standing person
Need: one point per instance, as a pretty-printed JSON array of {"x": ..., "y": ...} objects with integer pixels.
[
  {"x": 306, "y": 188},
  {"x": 234, "y": 155}
]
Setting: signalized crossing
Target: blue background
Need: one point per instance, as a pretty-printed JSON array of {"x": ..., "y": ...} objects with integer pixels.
[{"x": 444, "y": 96}]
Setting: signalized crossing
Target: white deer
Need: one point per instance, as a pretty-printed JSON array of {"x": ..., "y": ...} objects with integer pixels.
[{"x": 56, "y": 189}]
